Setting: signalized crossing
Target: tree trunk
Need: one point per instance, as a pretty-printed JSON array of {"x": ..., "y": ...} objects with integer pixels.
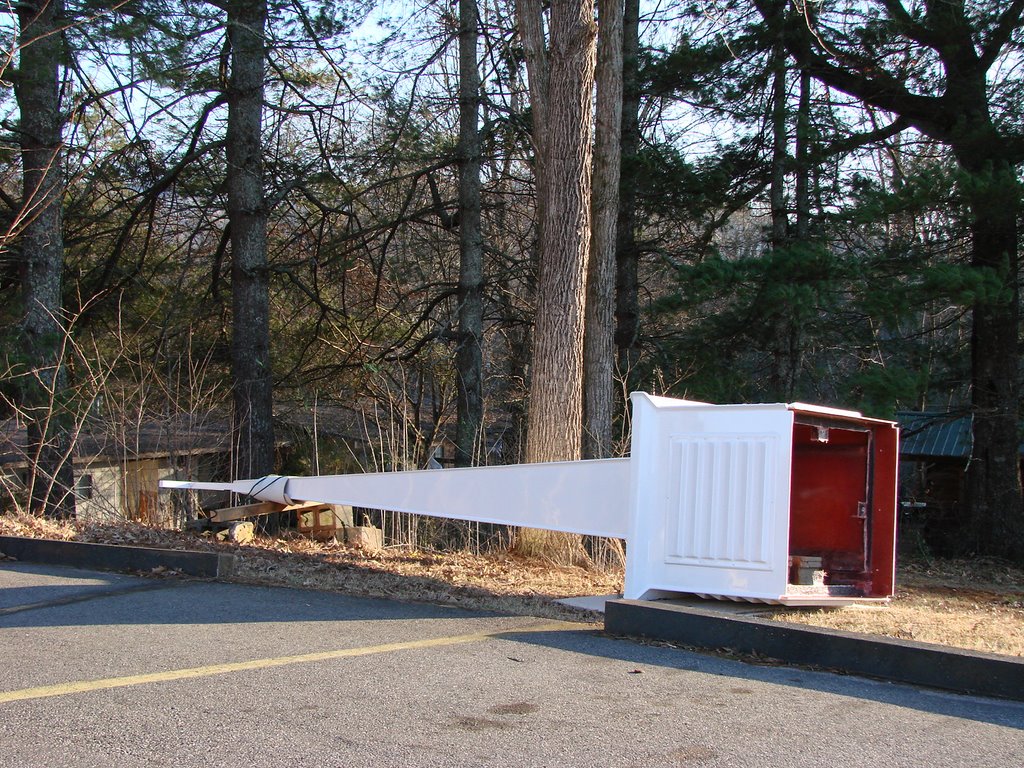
[
  {"x": 247, "y": 214},
  {"x": 41, "y": 243},
  {"x": 627, "y": 250},
  {"x": 561, "y": 89},
  {"x": 468, "y": 357},
  {"x": 556, "y": 380},
  {"x": 994, "y": 520},
  {"x": 803, "y": 165},
  {"x": 781, "y": 324},
  {"x": 599, "y": 341},
  {"x": 780, "y": 140}
]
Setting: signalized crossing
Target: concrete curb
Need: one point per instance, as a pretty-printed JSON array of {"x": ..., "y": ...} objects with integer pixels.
[
  {"x": 114, "y": 557},
  {"x": 924, "y": 664}
]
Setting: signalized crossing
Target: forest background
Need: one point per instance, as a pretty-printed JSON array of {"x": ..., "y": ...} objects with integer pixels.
[{"x": 487, "y": 222}]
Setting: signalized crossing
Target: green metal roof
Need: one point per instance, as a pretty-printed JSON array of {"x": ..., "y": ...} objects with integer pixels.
[{"x": 934, "y": 435}]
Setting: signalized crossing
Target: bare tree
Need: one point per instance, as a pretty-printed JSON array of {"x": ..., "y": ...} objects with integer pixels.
[
  {"x": 561, "y": 87},
  {"x": 627, "y": 249}
]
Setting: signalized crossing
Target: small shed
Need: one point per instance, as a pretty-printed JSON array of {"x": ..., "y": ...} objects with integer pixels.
[
  {"x": 934, "y": 452},
  {"x": 117, "y": 469}
]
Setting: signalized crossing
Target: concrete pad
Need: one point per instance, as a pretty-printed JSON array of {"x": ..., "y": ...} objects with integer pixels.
[{"x": 594, "y": 603}]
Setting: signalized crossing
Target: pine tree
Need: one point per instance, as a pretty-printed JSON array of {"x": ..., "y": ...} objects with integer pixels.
[{"x": 938, "y": 67}]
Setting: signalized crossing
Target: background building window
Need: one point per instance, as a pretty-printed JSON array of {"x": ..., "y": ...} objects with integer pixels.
[{"x": 83, "y": 487}]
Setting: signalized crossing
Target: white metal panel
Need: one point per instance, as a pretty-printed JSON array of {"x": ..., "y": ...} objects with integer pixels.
[
  {"x": 710, "y": 510},
  {"x": 825, "y": 410},
  {"x": 588, "y": 497},
  {"x": 732, "y": 477}
]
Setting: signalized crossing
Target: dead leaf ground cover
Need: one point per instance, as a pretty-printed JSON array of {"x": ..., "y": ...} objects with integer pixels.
[{"x": 976, "y": 604}]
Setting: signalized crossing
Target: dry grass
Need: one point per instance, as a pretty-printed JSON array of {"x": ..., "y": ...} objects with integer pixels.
[{"x": 976, "y": 604}]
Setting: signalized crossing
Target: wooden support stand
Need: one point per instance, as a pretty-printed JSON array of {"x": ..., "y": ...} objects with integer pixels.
[{"x": 314, "y": 519}]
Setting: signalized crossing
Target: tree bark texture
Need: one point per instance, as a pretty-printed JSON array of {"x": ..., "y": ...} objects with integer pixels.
[
  {"x": 468, "y": 356},
  {"x": 247, "y": 215},
  {"x": 599, "y": 341},
  {"x": 561, "y": 89},
  {"x": 40, "y": 240},
  {"x": 564, "y": 174},
  {"x": 627, "y": 249},
  {"x": 994, "y": 523}
]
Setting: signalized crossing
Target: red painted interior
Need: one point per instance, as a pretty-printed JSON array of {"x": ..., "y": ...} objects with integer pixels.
[{"x": 834, "y": 513}]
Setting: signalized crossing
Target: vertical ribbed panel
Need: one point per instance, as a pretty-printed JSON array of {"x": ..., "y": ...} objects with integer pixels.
[{"x": 719, "y": 506}]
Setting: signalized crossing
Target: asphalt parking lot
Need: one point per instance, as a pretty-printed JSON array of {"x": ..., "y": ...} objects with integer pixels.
[{"x": 104, "y": 669}]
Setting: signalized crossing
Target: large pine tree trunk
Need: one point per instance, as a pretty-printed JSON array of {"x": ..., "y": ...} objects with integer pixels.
[
  {"x": 802, "y": 185},
  {"x": 994, "y": 521},
  {"x": 247, "y": 214},
  {"x": 468, "y": 356},
  {"x": 41, "y": 244},
  {"x": 599, "y": 342},
  {"x": 780, "y": 140}
]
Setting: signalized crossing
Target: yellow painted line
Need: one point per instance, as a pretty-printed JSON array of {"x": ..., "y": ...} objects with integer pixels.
[{"x": 85, "y": 686}]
